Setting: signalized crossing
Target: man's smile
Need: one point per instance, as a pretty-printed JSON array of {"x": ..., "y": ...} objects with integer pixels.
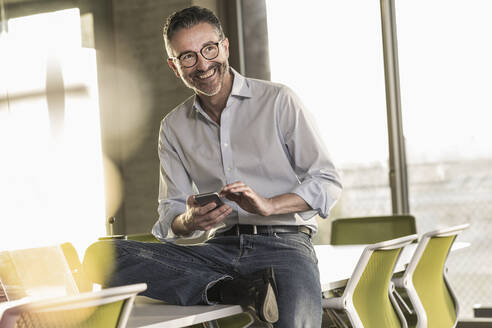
[{"x": 207, "y": 74}]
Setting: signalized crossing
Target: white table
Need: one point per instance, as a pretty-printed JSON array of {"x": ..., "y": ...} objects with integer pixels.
[
  {"x": 336, "y": 264},
  {"x": 150, "y": 313}
]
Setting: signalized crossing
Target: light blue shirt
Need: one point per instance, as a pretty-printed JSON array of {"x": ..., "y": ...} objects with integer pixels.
[{"x": 266, "y": 139}]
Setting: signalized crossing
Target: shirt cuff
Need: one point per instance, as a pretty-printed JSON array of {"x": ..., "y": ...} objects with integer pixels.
[
  {"x": 320, "y": 196},
  {"x": 162, "y": 228}
]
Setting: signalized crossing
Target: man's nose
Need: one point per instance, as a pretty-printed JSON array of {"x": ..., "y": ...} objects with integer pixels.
[{"x": 202, "y": 63}]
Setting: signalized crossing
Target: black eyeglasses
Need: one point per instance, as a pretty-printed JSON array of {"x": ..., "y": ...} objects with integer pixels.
[{"x": 190, "y": 58}]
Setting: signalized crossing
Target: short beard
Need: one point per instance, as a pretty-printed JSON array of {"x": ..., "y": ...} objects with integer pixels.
[{"x": 222, "y": 69}]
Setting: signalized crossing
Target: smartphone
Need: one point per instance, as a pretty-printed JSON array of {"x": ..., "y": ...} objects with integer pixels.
[{"x": 209, "y": 197}]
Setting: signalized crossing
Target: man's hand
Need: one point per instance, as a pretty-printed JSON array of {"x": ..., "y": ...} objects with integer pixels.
[
  {"x": 251, "y": 202},
  {"x": 247, "y": 198},
  {"x": 198, "y": 217}
]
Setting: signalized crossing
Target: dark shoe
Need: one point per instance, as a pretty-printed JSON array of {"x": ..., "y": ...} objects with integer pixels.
[{"x": 256, "y": 291}]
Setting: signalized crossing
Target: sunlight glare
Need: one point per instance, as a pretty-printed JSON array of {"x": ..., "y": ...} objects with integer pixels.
[{"x": 51, "y": 188}]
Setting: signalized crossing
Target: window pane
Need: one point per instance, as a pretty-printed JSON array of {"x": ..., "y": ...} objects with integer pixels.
[
  {"x": 330, "y": 53},
  {"x": 446, "y": 78},
  {"x": 51, "y": 182}
]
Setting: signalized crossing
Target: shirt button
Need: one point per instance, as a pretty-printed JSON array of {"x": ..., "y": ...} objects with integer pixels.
[
  {"x": 228, "y": 169},
  {"x": 226, "y": 144}
]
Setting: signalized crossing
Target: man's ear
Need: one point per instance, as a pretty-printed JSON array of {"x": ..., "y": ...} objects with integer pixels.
[
  {"x": 171, "y": 64},
  {"x": 226, "y": 47}
]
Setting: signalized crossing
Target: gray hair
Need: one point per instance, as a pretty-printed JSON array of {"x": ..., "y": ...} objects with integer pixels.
[{"x": 188, "y": 18}]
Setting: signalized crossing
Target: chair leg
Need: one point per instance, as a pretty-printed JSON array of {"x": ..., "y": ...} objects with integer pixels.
[
  {"x": 210, "y": 324},
  {"x": 336, "y": 318},
  {"x": 331, "y": 317},
  {"x": 401, "y": 302}
]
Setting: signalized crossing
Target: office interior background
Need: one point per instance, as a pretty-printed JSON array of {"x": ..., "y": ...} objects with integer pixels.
[{"x": 85, "y": 83}]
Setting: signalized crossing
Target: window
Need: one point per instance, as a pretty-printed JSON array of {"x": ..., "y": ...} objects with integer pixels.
[
  {"x": 446, "y": 78},
  {"x": 51, "y": 180},
  {"x": 330, "y": 53}
]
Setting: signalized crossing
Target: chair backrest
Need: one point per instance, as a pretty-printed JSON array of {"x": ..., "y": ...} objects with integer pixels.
[
  {"x": 55, "y": 271},
  {"x": 145, "y": 237},
  {"x": 371, "y": 229},
  {"x": 368, "y": 290},
  {"x": 425, "y": 279},
  {"x": 75, "y": 267},
  {"x": 42, "y": 271},
  {"x": 107, "y": 308}
]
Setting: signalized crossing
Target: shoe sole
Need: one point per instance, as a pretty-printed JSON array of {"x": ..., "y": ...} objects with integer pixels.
[{"x": 269, "y": 309}]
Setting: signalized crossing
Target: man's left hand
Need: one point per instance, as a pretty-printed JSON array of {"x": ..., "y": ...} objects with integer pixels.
[{"x": 247, "y": 198}]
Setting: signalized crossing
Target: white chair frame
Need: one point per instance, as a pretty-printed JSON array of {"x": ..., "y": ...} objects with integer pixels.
[
  {"x": 345, "y": 302},
  {"x": 406, "y": 281},
  {"x": 10, "y": 311}
]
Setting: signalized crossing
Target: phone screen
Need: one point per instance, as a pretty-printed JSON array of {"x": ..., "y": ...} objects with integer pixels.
[{"x": 211, "y": 197}]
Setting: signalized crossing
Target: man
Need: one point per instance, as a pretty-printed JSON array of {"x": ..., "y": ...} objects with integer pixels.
[{"x": 254, "y": 143}]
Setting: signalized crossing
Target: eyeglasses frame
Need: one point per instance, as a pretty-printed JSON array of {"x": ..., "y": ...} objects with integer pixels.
[{"x": 177, "y": 58}]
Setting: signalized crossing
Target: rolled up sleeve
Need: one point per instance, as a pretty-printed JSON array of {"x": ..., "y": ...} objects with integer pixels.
[
  {"x": 319, "y": 181},
  {"x": 175, "y": 186}
]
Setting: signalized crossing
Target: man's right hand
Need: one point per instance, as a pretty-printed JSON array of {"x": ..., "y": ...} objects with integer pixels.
[{"x": 198, "y": 217}]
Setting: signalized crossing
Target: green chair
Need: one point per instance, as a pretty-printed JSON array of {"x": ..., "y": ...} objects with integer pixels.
[
  {"x": 35, "y": 278},
  {"x": 102, "y": 309},
  {"x": 145, "y": 237},
  {"x": 75, "y": 266},
  {"x": 424, "y": 281},
  {"x": 367, "y": 299},
  {"x": 371, "y": 229}
]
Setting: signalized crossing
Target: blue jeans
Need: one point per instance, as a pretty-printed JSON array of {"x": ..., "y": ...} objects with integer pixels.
[{"x": 182, "y": 274}]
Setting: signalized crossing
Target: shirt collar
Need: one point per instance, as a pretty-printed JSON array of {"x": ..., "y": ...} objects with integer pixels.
[{"x": 240, "y": 88}]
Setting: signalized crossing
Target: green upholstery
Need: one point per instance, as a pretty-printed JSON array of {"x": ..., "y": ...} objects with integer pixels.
[
  {"x": 98, "y": 262},
  {"x": 75, "y": 266},
  {"x": 367, "y": 299},
  {"x": 426, "y": 292},
  {"x": 99, "y": 257},
  {"x": 371, "y": 294},
  {"x": 430, "y": 285},
  {"x": 372, "y": 229},
  {"x": 89, "y": 309},
  {"x": 145, "y": 237},
  {"x": 102, "y": 316}
]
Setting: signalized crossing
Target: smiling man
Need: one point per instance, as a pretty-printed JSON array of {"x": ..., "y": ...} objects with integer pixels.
[
  {"x": 255, "y": 144},
  {"x": 205, "y": 77}
]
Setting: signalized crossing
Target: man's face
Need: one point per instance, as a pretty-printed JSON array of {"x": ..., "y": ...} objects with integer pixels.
[{"x": 206, "y": 76}]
